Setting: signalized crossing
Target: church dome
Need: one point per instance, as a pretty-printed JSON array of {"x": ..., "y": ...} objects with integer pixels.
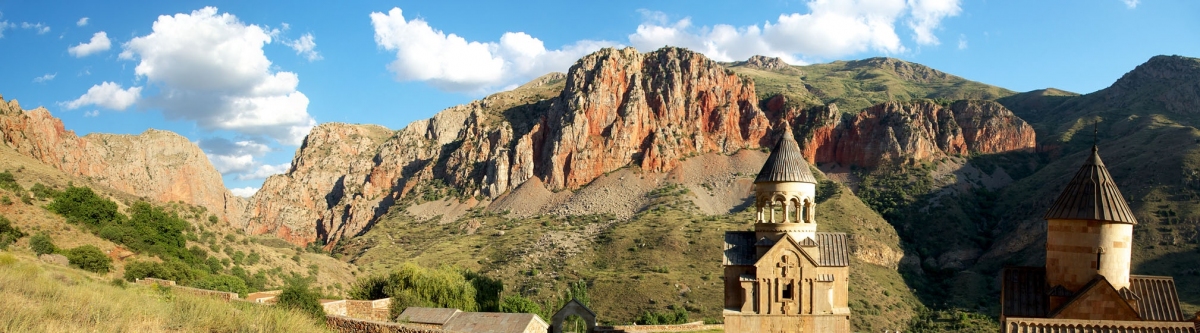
[
  {"x": 1091, "y": 195},
  {"x": 786, "y": 163}
]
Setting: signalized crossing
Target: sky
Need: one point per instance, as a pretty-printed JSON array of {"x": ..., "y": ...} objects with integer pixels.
[{"x": 247, "y": 80}]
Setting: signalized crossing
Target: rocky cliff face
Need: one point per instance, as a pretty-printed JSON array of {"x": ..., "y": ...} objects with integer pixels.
[
  {"x": 907, "y": 132},
  {"x": 614, "y": 108},
  {"x": 160, "y": 165}
]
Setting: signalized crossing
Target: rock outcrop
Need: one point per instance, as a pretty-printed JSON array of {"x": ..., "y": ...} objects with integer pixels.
[
  {"x": 159, "y": 165},
  {"x": 909, "y": 132},
  {"x": 764, "y": 62}
]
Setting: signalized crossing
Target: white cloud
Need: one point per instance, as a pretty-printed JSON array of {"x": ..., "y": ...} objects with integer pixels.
[
  {"x": 38, "y": 27},
  {"x": 5, "y": 25},
  {"x": 305, "y": 46},
  {"x": 264, "y": 171},
  {"x": 109, "y": 95},
  {"x": 99, "y": 43},
  {"x": 1131, "y": 3},
  {"x": 451, "y": 62},
  {"x": 830, "y": 29},
  {"x": 926, "y": 16},
  {"x": 45, "y": 78},
  {"x": 82, "y": 22},
  {"x": 92, "y": 113},
  {"x": 962, "y": 42},
  {"x": 244, "y": 192},
  {"x": 212, "y": 70}
]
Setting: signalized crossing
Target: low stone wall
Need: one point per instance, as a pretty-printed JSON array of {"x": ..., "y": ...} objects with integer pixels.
[
  {"x": 353, "y": 325},
  {"x": 222, "y": 295},
  {"x": 693, "y": 326},
  {"x": 1014, "y": 325},
  {"x": 153, "y": 281}
]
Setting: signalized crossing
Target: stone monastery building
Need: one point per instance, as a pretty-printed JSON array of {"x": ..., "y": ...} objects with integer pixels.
[
  {"x": 785, "y": 276},
  {"x": 1085, "y": 285}
]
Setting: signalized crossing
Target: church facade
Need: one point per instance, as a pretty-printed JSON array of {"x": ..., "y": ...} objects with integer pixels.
[
  {"x": 1085, "y": 285},
  {"x": 785, "y": 276}
]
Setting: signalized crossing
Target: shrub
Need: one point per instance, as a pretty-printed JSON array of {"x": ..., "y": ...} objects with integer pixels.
[
  {"x": 43, "y": 192},
  {"x": 8, "y": 233},
  {"x": 296, "y": 295},
  {"x": 173, "y": 270},
  {"x": 8, "y": 182},
  {"x": 227, "y": 283},
  {"x": 89, "y": 258},
  {"x": 252, "y": 258},
  {"x": 519, "y": 304},
  {"x": 212, "y": 219},
  {"x": 42, "y": 244},
  {"x": 81, "y": 205}
]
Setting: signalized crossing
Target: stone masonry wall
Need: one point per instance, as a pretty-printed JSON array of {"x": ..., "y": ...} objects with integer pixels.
[{"x": 353, "y": 325}]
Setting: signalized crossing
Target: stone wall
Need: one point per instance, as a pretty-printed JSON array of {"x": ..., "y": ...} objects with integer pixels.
[
  {"x": 222, "y": 295},
  {"x": 693, "y": 326},
  {"x": 786, "y": 323},
  {"x": 1012, "y": 325},
  {"x": 343, "y": 324}
]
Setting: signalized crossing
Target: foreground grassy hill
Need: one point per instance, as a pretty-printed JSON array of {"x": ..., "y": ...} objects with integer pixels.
[{"x": 39, "y": 297}]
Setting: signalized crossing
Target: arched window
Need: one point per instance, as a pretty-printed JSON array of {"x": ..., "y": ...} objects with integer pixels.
[{"x": 807, "y": 216}]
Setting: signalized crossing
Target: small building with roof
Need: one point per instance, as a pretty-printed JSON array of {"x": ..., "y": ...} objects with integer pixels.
[
  {"x": 1085, "y": 285},
  {"x": 453, "y": 320},
  {"x": 785, "y": 276}
]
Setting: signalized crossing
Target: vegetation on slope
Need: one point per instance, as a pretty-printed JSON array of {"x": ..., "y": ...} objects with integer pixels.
[{"x": 38, "y": 297}]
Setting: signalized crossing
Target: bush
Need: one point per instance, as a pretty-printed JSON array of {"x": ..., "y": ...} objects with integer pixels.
[
  {"x": 8, "y": 233},
  {"x": 82, "y": 206},
  {"x": 8, "y": 182},
  {"x": 173, "y": 270},
  {"x": 89, "y": 258},
  {"x": 43, "y": 192},
  {"x": 227, "y": 283},
  {"x": 519, "y": 304},
  {"x": 678, "y": 316},
  {"x": 252, "y": 258},
  {"x": 212, "y": 219},
  {"x": 42, "y": 244},
  {"x": 296, "y": 295}
]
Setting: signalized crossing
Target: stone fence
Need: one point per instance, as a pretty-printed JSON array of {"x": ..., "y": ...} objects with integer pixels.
[
  {"x": 344, "y": 324},
  {"x": 222, "y": 295},
  {"x": 692, "y": 326}
]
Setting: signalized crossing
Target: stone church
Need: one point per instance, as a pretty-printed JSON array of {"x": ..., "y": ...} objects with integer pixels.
[
  {"x": 1085, "y": 285},
  {"x": 785, "y": 276}
]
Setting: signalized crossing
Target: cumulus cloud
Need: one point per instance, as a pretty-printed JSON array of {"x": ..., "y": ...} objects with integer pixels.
[
  {"x": 99, "y": 43},
  {"x": 240, "y": 158},
  {"x": 82, "y": 22},
  {"x": 264, "y": 171},
  {"x": 305, "y": 46},
  {"x": 45, "y": 78},
  {"x": 244, "y": 192},
  {"x": 109, "y": 95},
  {"x": 451, "y": 62},
  {"x": 211, "y": 69},
  {"x": 37, "y": 27},
  {"x": 829, "y": 29}
]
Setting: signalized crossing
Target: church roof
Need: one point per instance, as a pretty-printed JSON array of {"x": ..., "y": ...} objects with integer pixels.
[
  {"x": 1158, "y": 299},
  {"x": 1091, "y": 195},
  {"x": 833, "y": 246},
  {"x": 1024, "y": 294},
  {"x": 786, "y": 163}
]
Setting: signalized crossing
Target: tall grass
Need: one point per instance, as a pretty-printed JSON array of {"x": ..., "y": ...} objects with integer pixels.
[{"x": 37, "y": 298}]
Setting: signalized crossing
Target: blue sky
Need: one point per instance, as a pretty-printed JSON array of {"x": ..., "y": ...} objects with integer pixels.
[{"x": 247, "y": 79}]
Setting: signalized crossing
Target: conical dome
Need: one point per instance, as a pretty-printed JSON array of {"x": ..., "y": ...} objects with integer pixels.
[
  {"x": 1091, "y": 195},
  {"x": 786, "y": 163}
]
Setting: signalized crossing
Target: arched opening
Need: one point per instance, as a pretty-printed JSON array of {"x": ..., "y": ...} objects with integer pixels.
[
  {"x": 808, "y": 213},
  {"x": 575, "y": 324}
]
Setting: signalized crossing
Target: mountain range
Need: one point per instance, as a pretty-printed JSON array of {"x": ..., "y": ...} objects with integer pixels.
[{"x": 625, "y": 170}]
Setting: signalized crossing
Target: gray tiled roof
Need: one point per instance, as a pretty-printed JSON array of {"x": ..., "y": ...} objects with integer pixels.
[
  {"x": 835, "y": 250},
  {"x": 492, "y": 322},
  {"x": 1023, "y": 292},
  {"x": 437, "y": 316},
  {"x": 739, "y": 248},
  {"x": 1091, "y": 195},
  {"x": 786, "y": 163},
  {"x": 1158, "y": 299}
]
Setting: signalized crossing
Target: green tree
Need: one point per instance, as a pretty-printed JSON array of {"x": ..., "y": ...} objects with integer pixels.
[
  {"x": 296, "y": 295},
  {"x": 81, "y": 205},
  {"x": 89, "y": 258},
  {"x": 227, "y": 283},
  {"x": 8, "y": 233},
  {"x": 42, "y": 244},
  {"x": 413, "y": 285},
  {"x": 519, "y": 304}
]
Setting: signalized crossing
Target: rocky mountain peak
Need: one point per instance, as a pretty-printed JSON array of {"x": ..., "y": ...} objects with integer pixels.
[
  {"x": 764, "y": 62},
  {"x": 907, "y": 71}
]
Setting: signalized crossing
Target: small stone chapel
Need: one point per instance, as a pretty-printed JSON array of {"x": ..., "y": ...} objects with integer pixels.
[{"x": 785, "y": 276}]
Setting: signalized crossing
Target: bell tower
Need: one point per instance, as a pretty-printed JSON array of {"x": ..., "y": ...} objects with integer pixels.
[
  {"x": 785, "y": 194},
  {"x": 1089, "y": 231}
]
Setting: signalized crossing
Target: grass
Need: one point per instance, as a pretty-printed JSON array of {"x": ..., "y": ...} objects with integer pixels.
[{"x": 36, "y": 297}]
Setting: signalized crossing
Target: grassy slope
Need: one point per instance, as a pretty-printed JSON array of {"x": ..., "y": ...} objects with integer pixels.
[
  {"x": 333, "y": 276},
  {"x": 855, "y": 85},
  {"x": 667, "y": 255},
  {"x": 37, "y": 297}
]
